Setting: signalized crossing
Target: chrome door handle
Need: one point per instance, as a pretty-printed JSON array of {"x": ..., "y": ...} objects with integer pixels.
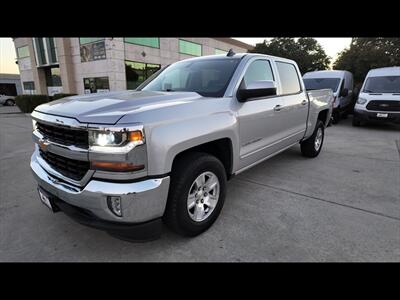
[
  {"x": 304, "y": 102},
  {"x": 277, "y": 107}
]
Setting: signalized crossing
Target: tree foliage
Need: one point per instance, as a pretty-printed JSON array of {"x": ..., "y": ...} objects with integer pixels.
[
  {"x": 368, "y": 53},
  {"x": 307, "y": 52}
]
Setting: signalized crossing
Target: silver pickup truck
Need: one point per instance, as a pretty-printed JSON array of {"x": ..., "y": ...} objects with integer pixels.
[{"x": 125, "y": 161}]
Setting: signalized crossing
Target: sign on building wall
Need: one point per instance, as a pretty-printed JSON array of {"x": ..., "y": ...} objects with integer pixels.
[
  {"x": 52, "y": 90},
  {"x": 93, "y": 51}
]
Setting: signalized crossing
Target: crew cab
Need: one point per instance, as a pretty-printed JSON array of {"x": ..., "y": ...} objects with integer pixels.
[
  {"x": 379, "y": 98},
  {"x": 126, "y": 161}
]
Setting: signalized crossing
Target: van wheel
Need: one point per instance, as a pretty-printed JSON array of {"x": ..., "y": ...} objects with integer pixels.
[
  {"x": 196, "y": 194},
  {"x": 311, "y": 147}
]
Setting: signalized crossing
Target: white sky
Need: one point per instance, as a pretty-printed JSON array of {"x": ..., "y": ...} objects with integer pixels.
[{"x": 332, "y": 47}]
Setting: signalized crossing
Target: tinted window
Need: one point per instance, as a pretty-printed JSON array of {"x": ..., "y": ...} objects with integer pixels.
[
  {"x": 382, "y": 84},
  {"x": 186, "y": 47},
  {"x": 23, "y": 52},
  {"x": 289, "y": 78},
  {"x": 137, "y": 72},
  {"x": 258, "y": 70},
  {"x": 96, "y": 85},
  {"x": 149, "y": 42},
  {"x": 209, "y": 78},
  {"x": 321, "y": 83}
]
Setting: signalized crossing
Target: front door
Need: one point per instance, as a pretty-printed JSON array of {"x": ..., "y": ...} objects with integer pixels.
[{"x": 260, "y": 121}]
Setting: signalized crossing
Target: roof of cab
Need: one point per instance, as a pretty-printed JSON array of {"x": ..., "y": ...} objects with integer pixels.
[
  {"x": 387, "y": 71},
  {"x": 325, "y": 74},
  {"x": 239, "y": 56}
]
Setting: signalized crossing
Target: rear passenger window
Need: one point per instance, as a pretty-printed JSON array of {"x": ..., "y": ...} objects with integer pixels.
[
  {"x": 289, "y": 78},
  {"x": 258, "y": 70}
]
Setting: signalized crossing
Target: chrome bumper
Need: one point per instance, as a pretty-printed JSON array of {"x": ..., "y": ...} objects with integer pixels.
[{"x": 141, "y": 201}]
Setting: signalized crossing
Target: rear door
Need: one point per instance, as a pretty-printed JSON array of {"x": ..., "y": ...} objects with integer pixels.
[{"x": 295, "y": 111}]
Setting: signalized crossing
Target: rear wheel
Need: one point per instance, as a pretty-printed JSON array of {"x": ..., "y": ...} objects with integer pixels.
[
  {"x": 9, "y": 102},
  {"x": 311, "y": 147},
  {"x": 196, "y": 195}
]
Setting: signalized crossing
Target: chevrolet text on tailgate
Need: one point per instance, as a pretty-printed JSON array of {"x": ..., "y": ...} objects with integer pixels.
[{"x": 125, "y": 161}]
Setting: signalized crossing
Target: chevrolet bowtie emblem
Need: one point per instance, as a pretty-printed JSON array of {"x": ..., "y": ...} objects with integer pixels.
[{"x": 43, "y": 144}]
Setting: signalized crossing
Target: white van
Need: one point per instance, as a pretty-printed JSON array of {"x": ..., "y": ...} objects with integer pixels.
[
  {"x": 340, "y": 82},
  {"x": 379, "y": 98}
]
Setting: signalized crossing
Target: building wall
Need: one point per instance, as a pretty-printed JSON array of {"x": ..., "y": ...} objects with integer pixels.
[{"x": 73, "y": 71}]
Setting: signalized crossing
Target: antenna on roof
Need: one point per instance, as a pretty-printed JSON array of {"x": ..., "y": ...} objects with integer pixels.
[{"x": 230, "y": 53}]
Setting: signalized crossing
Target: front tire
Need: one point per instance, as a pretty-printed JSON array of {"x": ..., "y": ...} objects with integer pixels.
[
  {"x": 196, "y": 195},
  {"x": 312, "y": 146}
]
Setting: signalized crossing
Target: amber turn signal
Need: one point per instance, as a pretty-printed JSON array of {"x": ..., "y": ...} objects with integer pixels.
[
  {"x": 115, "y": 166},
  {"x": 135, "y": 136}
]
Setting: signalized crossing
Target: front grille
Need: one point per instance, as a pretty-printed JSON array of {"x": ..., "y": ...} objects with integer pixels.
[
  {"x": 64, "y": 136},
  {"x": 71, "y": 168},
  {"x": 384, "y": 105}
]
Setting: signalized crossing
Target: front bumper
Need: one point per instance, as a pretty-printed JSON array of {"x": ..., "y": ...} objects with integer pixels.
[
  {"x": 371, "y": 116},
  {"x": 141, "y": 201}
]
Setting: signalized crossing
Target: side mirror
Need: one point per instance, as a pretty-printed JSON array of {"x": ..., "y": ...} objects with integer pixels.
[
  {"x": 259, "y": 88},
  {"x": 344, "y": 93}
]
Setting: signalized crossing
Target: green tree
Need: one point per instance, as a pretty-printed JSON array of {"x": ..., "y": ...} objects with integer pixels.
[
  {"x": 307, "y": 52},
  {"x": 368, "y": 53}
]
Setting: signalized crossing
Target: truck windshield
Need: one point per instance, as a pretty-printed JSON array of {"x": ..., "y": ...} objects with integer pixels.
[
  {"x": 382, "y": 84},
  {"x": 209, "y": 78},
  {"x": 321, "y": 83}
]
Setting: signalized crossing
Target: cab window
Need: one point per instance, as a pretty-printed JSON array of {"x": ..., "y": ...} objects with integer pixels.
[{"x": 258, "y": 70}]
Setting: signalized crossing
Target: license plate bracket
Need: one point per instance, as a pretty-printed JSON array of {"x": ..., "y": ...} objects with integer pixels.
[{"x": 47, "y": 200}]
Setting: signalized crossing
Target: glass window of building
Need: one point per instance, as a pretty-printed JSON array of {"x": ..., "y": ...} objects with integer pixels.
[
  {"x": 53, "y": 77},
  {"x": 23, "y": 52},
  {"x": 149, "y": 42},
  {"x": 186, "y": 47},
  {"x": 219, "y": 51},
  {"x": 96, "y": 85},
  {"x": 92, "y": 49},
  {"x": 137, "y": 72},
  {"x": 29, "y": 87},
  {"x": 51, "y": 50},
  {"x": 45, "y": 50},
  {"x": 40, "y": 51},
  {"x": 88, "y": 40},
  {"x": 289, "y": 78}
]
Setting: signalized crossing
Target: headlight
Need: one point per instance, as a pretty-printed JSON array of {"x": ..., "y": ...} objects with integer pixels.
[
  {"x": 115, "y": 140},
  {"x": 361, "y": 101},
  {"x": 107, "y": 138},
  {"x": 34, "y": 124}
]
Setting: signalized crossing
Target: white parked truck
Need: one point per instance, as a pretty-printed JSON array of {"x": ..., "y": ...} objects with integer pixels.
[{"x": 125, "y": 161}]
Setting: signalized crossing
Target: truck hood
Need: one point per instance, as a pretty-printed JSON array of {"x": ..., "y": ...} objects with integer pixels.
[{"x": 108, "y": 108}]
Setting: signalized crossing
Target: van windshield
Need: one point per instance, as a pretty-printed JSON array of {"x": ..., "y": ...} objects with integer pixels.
[
  {"x": 322, "y": 83},
  {"x": 382, "y": 84},
  {"x": 208, "y": 77}
]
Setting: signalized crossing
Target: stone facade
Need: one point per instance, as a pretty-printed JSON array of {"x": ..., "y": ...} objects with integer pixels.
[{"x": 73, "y": 70}]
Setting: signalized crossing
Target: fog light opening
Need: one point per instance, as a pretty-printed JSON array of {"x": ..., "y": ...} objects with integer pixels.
[{"x": 114, "y": 204}]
